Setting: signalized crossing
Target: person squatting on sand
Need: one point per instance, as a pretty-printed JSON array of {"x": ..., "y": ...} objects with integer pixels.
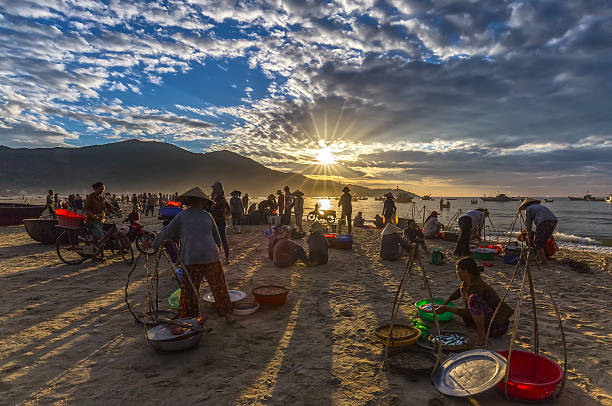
[
  {"x": 480, "y": 300},
  {"x": 317, "y": 245},
  {"x": 392, "y": 244},
  {"x": 285, "y": 252},
  {"x": 413, "y": 235},
  {"x": 346, "y": 202},
  {"x": 545, "y": 222},
  {"x": 200, "y": 246},
  {"x": 471, "y": 225},
  {"x": 432, "y": 226},
  {"x": 359, "y": 221},
  {"x": 95, "y": 211},
  {"x": 236, "y": 209},
  {"x": 219, "y": 210}
]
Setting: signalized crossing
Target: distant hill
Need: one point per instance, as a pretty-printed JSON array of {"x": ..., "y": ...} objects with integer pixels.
[{"x": 139, "y": 166}]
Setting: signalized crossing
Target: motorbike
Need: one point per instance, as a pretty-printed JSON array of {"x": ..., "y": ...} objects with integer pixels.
[
  {"x": 136, "y": 233},
  {"x": 328, "y": 216}
]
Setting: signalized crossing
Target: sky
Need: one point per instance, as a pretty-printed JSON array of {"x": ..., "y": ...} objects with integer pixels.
[{"x": 443, "y": 97}]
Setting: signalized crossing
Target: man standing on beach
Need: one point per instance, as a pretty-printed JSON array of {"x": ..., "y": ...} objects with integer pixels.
[
  {"x": 51, "y": 204},
  {"x": 346, "y": 202},
  {"x": 288, "y": 204},
  {"x": 95, "y": 211}
]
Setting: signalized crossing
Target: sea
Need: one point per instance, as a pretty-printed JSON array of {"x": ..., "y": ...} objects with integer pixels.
[{"x": 582, "y": 224}]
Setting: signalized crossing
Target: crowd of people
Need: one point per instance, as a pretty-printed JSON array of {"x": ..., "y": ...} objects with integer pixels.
[{"x": 200, "y": 231}]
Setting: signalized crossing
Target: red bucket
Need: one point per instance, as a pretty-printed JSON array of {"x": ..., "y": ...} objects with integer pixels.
[
  {"x": 331, "y": 239},
  {"x": 67, "y": 218},
  {"x": 531, "y": 377}
]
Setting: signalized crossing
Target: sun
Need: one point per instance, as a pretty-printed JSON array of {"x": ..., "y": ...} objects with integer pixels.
[{"x": 326, "y": 156}]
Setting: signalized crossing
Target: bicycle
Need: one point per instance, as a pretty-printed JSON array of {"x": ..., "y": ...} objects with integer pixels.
[{"x": 75, "y": 244}]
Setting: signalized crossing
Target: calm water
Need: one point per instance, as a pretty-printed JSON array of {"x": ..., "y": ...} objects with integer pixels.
[{"x": 580, "y": 222}]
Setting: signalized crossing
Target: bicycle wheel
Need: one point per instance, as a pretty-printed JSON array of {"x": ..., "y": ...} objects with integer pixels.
[
  {"x": 125, "y": 249},
  {"x": 311, "y": 217},
  {"x": 73, "y": 247},
  {"x": 144, "y": 237}
]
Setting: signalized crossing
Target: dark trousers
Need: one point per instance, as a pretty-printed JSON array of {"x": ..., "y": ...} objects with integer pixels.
[
  {"x": 236, "y": 219},
  {"x": 221, "y": 227},
  {"x": 349, "y": 223},
  {"x": 150, "y": 209},
  {"x": 463, "y": 243}
]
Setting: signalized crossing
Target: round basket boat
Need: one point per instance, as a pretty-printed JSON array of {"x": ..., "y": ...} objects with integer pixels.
[
  {"x": 270, "y": 295},
  {"x": 402, "y": 335},
  {"x": 42, "y": 230}
]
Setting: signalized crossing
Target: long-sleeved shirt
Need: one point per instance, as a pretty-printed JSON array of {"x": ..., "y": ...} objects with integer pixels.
[
  {"x": 537, "y": 214},
  {"x": 317, "y": 248},
  {"x": 390, "y": 246},
  {"x": 236, "y": 205},
  {"x": 389, "y": 208},
  {"x": 346, "y": 202},
  {"x": 198, "y": 235},
  {"x": 477, "y": 217},
  {"x": 431, "y": 227},
  {"x": 479, "y": 287},
  {"x": 288, "y": 201},
  {"x": 220, "y": 206},
  {"x": 298, "y": 205}
]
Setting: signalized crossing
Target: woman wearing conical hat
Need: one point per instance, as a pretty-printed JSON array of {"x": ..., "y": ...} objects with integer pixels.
[
  {"x": 392, "y": 244},
  {"x": 199, "y": 252}
]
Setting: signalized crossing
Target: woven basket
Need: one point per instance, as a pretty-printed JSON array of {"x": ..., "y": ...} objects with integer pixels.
[
  {"x": 403, "y": 335},
  {"x": 463, "y": 347},
  {"x": 412, "y": 361}
]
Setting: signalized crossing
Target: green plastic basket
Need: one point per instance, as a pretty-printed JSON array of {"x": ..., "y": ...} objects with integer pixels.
[{"x": 444, "y": 317}]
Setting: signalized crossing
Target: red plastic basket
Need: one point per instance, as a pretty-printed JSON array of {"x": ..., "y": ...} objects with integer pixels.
[
  {"x": 67, "y": 218},
  {"x": 532, "y": 377}
]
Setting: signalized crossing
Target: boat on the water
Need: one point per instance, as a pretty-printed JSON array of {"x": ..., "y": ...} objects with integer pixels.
[
  {"x": 587, "y": 198},
  {"x": 42, "y": 230},
  {"x": 379, "y": 198},
  {"x": 363, "y": 198},
  {"x": 403, "y": 197},
  {"x": 501, "y": 197},
  {"x": 549, "y": 200},
  {"x": 474, "y": 201},
  {"x": 12, "y": 214},
  {"x": 426, "y": 197},
  {"x": 609, "y": 198}
]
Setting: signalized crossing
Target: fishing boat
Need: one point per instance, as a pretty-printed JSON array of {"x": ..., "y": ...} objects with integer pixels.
[
  {"x": 379, "y": 198},
  {"x": 549, "y": 200},
  {"x": 42, "y": 230},
  {"x": 355, "y": 198},
  {"x": 587, "y": 198},
  {"x": 609, "y": 198},
  {"x": 474, "y": 201},
  {"x": 403, "y": 197},
  {"x": 12, "y": 214},
  {"x": 501, "y": 197},
  {"x": 363, "y": 198},
  {"x": 426, "y": 197}
]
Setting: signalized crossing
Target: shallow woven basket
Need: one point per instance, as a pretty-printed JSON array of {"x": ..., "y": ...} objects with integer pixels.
[
  {"x": 449, "y": 347},
  {"x": 270, "y": 295},
  {"x": 403, "y": 335},
  {"x": 412, "y": 361}
]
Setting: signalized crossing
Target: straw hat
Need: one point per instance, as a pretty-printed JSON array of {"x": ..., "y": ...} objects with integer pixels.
[
  {"x": 389, "y": 195},
  {"x": 315, "y": 227},
  {"x": 195, "y": 193},
  {"x": 391, "y": 229},
  {"x": 346, "y": 189},
  {"x": 236, "y": 192},
  {"x": 298, "y": 193},
  {"x": 527, "y": 201}
]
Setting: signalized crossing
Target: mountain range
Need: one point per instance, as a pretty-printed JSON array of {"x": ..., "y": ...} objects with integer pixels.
[{"x": 136, "y": 166}]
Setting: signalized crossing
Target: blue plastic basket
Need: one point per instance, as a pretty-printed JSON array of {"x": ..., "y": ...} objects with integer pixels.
[{"x": 169, "y": 211}]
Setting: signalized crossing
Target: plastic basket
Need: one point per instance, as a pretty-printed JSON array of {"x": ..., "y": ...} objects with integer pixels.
[
  {"x": 169, "y": 211},
  {"x": 426, "y": 316},
  {"x": 67, "y": 218}
]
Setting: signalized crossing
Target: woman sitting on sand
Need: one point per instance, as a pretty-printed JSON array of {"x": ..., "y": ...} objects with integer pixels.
[
  {"x": 317, "y": 245},
  {"x": 285, "y": 252},
  {"x": 481, "y": 301},
  {"x": 200, "y": 253},
  {"x": 359, "y": 221},
  {"x": 432, "y": 226},
  {"x": 392, "y": 244}
]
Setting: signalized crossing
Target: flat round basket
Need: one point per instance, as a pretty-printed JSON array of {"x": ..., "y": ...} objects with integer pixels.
[
  {"x": 402, "y": 335},
  {"x": 412, "y": 361},
  {"x": 451, "y": 341},
  {"x": 269, "y": 290}
]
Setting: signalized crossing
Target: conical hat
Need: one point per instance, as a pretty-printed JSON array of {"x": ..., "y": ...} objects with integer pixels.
[
  {"x": 527, "y": 201},
  {"x": 298, "y": 193},
  {"x": 391, "y": 229},
  {"x": 195, "y": 193}
]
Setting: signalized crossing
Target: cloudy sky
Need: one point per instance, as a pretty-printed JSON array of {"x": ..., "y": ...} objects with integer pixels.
[{"x": 445, "y": 97}]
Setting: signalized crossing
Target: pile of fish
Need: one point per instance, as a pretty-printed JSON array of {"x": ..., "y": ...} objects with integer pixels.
[
  {"x": 449, "y": 339},
  {"x": 429, "y": 308}
]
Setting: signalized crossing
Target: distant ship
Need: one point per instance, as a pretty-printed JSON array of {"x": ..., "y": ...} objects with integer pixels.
[
  {"x": 363, "y": 198},
  {"x": 426, "y": 197},
  {"x": 379, "y": 198},
  {"x": 609, "y": 198},
  {"x": 501, "y": 197},
  {"x": 587, "y": 198}
]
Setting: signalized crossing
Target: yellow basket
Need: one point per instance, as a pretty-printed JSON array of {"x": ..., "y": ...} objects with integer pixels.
[{"x": 382, "y": 336}]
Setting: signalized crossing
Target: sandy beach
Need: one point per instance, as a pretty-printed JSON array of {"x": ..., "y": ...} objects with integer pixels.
[{"x": 66, "y": 336}]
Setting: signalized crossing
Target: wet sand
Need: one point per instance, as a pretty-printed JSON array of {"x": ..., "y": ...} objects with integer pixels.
[{"x": 66, "y": 335}]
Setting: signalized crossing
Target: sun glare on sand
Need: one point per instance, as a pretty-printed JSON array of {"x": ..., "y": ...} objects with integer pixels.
[{"x": 326, "y": 156}]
